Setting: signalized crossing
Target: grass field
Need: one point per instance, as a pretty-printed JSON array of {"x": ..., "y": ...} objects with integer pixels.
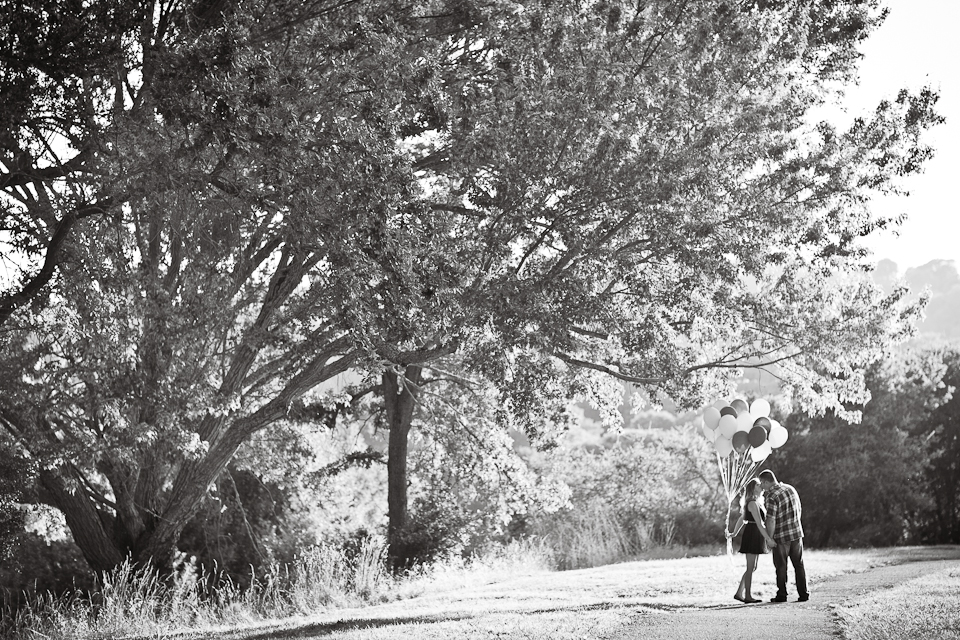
[
  {"x": 583, "y": 604},
  {"x": 927, "y": 607},
  {"x": 509, "y": 598}
]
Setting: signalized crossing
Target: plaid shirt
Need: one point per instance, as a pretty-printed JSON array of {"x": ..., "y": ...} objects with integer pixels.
[{"x": 783, "y": 503}]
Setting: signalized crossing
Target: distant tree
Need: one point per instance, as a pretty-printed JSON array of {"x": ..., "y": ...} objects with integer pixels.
[
  {"x": 865, "y": 484},
  {"x": 226, "y": 206},
  {"x": 940, "y": 433}
]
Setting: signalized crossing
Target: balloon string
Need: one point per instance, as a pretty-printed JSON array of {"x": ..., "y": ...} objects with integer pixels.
[{"x": 724, "y": 475}]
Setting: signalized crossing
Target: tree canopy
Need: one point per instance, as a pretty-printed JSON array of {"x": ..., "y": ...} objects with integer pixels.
[{"x": 218, "y": 207}]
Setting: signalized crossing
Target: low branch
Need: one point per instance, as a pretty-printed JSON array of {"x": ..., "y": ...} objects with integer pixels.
[
  {"x": 605, "y": 369},
  {"x": 737, "y": 364},
  {"x": 467, "y": 382},
  {"x": 365, "y": 459},
  {"x": 12, "y": 301},
  {"x": 32, "y": 175}
]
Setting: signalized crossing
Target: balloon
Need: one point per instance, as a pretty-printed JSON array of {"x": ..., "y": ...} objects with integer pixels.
[
  {"x": 760, "y": 408},
  {"x": 759, "y": 454},
  {"x": 757, "y": 436},
  {"x": 740, "y": 406},
  {"x": 762, "y": 422},
  {"x": 740, "y": 441},
  {"x": 720, "y": 404},
  {"x": 778, "y": 435},
  {"x": 724, "y": 446},
  {"x": 727, "y": 426},
  {"x": 708, "y": 433},
  {"x": 711, "y": 417},
  {"x": 728, "y": 411},
  {"x": 744, "y": 421}
]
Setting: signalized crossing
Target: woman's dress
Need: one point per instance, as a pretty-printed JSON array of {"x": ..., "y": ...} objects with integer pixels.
[{"x": 752, "y": 540}]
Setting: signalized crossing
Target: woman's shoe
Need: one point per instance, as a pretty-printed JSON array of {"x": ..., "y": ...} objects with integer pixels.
[
  {"x": 737, "y": 597},
  {"x": 750, "y": 600}
]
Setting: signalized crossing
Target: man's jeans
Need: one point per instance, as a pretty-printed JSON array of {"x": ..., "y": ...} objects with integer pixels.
[{"x": 794, "y": 551}]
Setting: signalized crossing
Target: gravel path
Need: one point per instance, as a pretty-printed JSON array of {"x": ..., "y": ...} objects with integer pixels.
[{"x": 813, "y": 620}]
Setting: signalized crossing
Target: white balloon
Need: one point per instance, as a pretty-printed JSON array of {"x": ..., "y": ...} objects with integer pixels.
[
  {"x": 745, "y": 421},
  {"x": 759, "y": 454},
  {"x": 778, "y": 434},
  {"x": 724, "y": 446},
  {"x": 711, "y": 417},
  {"x": 760, "y": 408},
  {"x": 710, "y": 434},
  {"x": 727, "y": 426},
  {"x": 720, "y": 404}
]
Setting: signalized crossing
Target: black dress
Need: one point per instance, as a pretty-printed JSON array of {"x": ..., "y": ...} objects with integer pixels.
[{"x": 752, "y": 540}]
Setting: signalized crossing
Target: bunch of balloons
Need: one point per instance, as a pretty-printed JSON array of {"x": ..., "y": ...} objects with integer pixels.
[
  {"x": 737, "y": 428},
  {"x": 743, "y": 435}
]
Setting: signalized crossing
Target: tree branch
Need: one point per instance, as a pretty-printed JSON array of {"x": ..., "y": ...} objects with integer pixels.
[{"x": 10, "y": 302}]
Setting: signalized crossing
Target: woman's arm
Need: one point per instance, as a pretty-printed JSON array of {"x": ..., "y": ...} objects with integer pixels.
[
  {"x": 755, "y": 510},
  {"x": 736, "y": 528}
]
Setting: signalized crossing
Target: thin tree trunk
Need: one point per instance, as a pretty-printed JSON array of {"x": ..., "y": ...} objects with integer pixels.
[{"x": 399, "y": 400}]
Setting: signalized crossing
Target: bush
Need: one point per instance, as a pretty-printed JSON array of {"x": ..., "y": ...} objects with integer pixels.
[
  {"x": 247, "y": 524},
  {"x": 694, "y": 527},
  {"x": 38, "y": 566},
  {"x": 433, "y": 531},
  {"x": 649, "y": 491}
]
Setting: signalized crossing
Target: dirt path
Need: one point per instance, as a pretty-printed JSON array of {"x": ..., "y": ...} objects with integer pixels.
[{"x": 813, "y": 620}]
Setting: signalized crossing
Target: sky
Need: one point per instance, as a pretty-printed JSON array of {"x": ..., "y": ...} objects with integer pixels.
[{"x": 918, "y": 45}]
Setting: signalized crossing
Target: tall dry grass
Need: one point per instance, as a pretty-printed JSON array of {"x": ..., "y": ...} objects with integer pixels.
[
  {"x": 131, "y": 602},
  {"x": 137, "y": 602},
  {"x": 596, "y": 536}
]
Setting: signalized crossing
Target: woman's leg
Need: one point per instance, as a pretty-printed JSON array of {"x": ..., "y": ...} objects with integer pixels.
[
  {"x": 748, "y": 575},
  {"x": 739, "y": 595}
]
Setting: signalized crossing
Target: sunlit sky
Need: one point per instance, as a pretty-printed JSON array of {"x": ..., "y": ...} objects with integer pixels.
[{"x": 917, "y": 45}]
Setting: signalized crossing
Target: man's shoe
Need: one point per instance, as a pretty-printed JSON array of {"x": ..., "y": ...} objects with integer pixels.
[
  {"x": 803, "y": 598},
  {"x": 778, "y": 599}
]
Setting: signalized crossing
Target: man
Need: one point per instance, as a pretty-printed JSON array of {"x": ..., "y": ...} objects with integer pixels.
[{"x": 783, "y": 526}]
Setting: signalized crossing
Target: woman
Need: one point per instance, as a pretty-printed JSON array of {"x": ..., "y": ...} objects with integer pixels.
[{"x": 754, "y": 541}]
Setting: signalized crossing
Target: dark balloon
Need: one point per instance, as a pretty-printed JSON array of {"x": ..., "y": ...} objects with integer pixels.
[
  {"x": 740, "y": 441},
  {"x": 740, "y": 405},
  {"x": 757, "y": 436},
  {"x": 763, "y": 422},
  {"x": 728, "y": 411}
]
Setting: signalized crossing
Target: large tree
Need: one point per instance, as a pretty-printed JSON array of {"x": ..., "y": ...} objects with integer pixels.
[{"x": 234, "y": 203}]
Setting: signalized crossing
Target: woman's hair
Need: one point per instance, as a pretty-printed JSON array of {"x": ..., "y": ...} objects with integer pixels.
[{"x": 750, "y": 491}]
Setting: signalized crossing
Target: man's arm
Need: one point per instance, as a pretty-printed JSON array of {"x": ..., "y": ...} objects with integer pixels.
[{"x": 773, "y": 509}]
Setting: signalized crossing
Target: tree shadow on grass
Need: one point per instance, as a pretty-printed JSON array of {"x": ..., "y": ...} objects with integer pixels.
[{"x": 318, "y": 629}]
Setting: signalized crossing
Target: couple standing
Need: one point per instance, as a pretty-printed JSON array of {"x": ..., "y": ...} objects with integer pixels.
[{"x": 780, "y": 530}]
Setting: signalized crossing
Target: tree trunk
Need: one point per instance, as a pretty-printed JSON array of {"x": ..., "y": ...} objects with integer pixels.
[
  {"x": 87, "y": 523},
  {"x": 399, "y": 400}
]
